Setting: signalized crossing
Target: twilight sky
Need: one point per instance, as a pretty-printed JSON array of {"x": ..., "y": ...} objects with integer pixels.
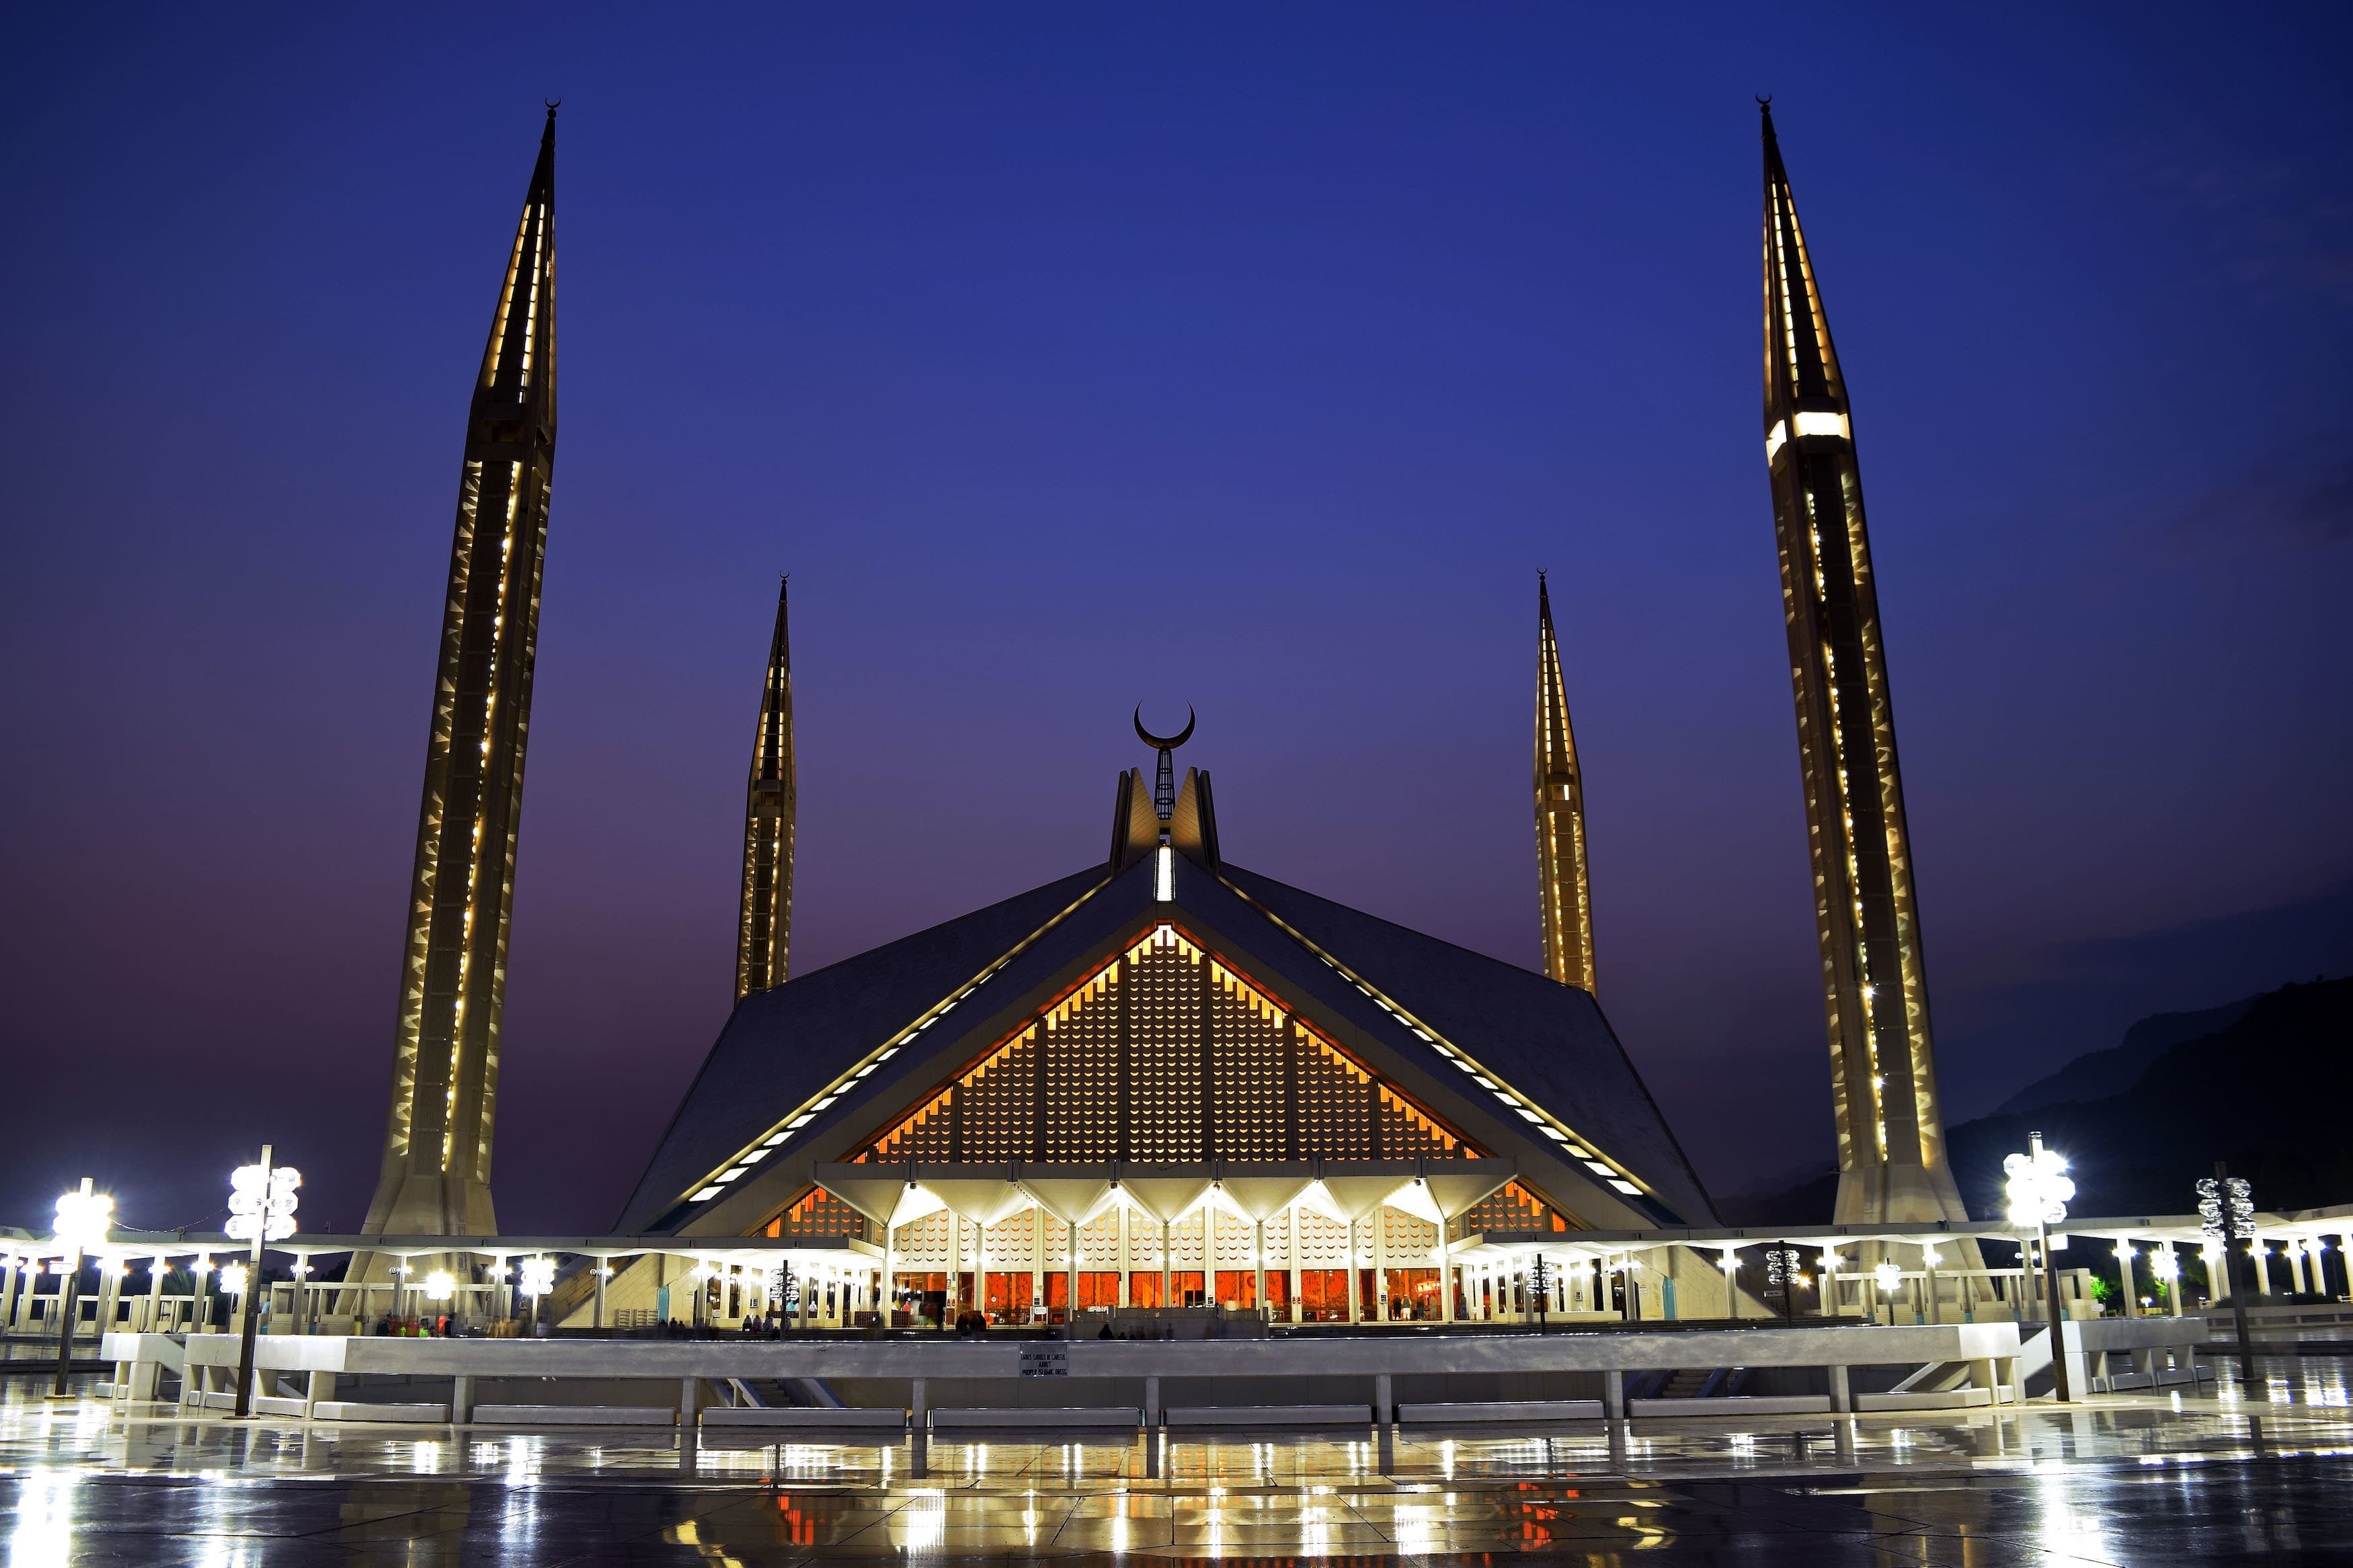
[{"x": 1073, "y": 356}]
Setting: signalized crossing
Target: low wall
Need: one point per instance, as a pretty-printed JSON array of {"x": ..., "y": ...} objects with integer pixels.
[{"x": 1154, "y": 1374}]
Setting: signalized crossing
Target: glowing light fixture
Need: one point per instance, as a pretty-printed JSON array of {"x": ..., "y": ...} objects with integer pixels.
[
  {"x": 84, "y": 1217},
  {"x": 235, "y": 1278},
  {"x": 1890, "y": 1276},
  {"x": 538, "y": 1276},
  {"x": 2036, "y": 1186},
  {"x": 252, "y": 1211},
  {"x": 439, "y": 1285}
]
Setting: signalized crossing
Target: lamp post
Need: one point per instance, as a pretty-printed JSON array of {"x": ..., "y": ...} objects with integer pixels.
[
  {"x": 1890, "y": 1276},
  {"x": 1781, "y": 1267},
  {"x": 83, "y": 1219},
  {"x": 261, "y": 1202},
  {"x": 2226, "y": 1212},
  {"x": 535, "y": 1276},
  {"x": 2037, "y": 1188}
]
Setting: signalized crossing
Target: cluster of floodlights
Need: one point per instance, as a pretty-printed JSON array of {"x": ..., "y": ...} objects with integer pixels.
[
  {"x": 261, "y": 1202},
  {"x": 2036, "y": 1186}
]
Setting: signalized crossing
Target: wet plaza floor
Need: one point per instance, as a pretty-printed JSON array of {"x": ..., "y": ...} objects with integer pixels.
[{"x": 2132, "y": 1480}]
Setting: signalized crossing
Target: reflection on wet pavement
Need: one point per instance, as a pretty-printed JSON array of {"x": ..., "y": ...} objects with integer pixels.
[{"x": 2130, "y": 1480}]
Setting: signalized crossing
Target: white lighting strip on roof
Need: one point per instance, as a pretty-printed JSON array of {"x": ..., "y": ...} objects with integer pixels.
[
  {"x": 1545, "y": 1122},
  {"x": 808, "y": 1111}
]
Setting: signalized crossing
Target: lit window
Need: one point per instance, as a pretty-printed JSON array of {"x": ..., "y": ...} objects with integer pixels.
[
  {"x": 1774, "y": 441},
  {"x": 1822, "y": 425},
  {"x": 1164, "y": 880}
]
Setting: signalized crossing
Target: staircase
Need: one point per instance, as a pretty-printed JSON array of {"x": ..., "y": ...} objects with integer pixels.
[{"x": 1686, "y": 1383}]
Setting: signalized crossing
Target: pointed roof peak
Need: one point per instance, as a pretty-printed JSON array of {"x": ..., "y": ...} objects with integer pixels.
[
  {"x": 780, "y": 655},
  {"x": 519, "y": 361},
  {"x": 542, "y": 174},
  {"x": 1802, "y": 368},
  {"x": 1774, "y": 171}
]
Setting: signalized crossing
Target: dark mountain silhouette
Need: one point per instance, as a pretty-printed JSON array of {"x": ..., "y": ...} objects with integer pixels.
[
  {"x": 2095, "y": 1075},
  {"x": 2265, "y": 1089}
]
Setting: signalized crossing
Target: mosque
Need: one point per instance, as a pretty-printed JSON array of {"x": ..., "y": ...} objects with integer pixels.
[{"x": 1162, "y": 1083}]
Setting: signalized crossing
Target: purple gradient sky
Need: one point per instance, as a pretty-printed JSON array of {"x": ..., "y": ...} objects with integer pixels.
[{"x": 1070, "y": 356}]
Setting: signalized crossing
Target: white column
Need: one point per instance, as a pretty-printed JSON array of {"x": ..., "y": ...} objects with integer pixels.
[
  {"x": 1293, "y": 1313},
  {"x": 1445, "y": 1275},
  {"x": 2295, "y": 1263},
  {"x": 1258, "y": 1240},
  {"x": 1126, "y": 1257},
  {"x": 155, "y": 1272},
  {"x": 2124, "y": 1256},
  {"x": 1356, "y": 1280},
  {"x": 1378, "y": 1220},
  {"x": 2263, "y": 1261},
  {"x": 950, "y": 1304},
  {"x": 1071, "y": 1309},
  {"x": 1037, "y": 1261},
  {"x": 1168, "y": 1262}
]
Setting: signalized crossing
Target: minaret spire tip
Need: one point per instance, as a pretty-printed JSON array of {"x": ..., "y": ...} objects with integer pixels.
[{"x": 1564, "y": 886}]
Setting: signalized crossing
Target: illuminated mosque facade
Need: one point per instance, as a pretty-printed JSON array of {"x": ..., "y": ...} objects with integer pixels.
[{"x": 1164, "y": 1080}]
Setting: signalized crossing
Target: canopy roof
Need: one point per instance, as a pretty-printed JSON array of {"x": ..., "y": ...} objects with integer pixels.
[{"x": 1493, "y": 1061}]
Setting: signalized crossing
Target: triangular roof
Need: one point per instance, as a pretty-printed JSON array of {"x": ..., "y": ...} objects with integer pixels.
[{"x": 812, "y": 1072}]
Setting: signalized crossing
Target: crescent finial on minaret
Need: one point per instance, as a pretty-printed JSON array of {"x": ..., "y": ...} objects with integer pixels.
[{"x": 1165, "y": 744}]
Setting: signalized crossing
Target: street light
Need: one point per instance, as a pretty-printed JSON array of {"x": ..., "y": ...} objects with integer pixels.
[
  {"x": 84, "y": 1219},
  {"x": 2226, "y": 1212},
  {"x": 535, "y": 1276},
  {"x": 2037, "y": 1188},
  {"x": 261, "y": 1200},
  {"x": 1889, "y": 1274}
]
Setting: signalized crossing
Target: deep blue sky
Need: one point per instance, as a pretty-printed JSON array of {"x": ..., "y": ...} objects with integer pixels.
[{"x": 1254, "y": 357}]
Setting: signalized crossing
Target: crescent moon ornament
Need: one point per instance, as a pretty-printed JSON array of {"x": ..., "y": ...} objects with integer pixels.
[{"x": 1158, "y": 742}]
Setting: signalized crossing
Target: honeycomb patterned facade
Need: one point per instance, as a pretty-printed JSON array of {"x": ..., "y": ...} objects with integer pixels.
[{"x": 1166, "y": 1054}]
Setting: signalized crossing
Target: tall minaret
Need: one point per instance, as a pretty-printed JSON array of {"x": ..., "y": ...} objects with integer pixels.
[
  {"x": 1882, "y": 1068},
  {"x": 445, "y": 1081},
  {"x": 1560, "y": 818},
  {"x": 763, "y": 926}
]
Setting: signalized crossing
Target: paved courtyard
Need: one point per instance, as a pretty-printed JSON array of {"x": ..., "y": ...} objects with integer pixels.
[{"x": 2128, "y": 1480}]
